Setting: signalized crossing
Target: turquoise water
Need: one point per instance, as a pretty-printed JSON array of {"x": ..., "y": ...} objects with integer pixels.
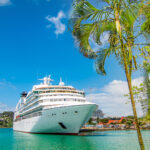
[{"x": 107, "y": 140}]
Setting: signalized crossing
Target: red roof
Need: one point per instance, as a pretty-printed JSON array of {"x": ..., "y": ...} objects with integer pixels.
[
  {"x": 115, "y": 121},
  {"x": 100, "y": 123}
]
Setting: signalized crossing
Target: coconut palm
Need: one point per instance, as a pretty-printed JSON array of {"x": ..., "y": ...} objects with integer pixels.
[{"x": 118, "y": 18}]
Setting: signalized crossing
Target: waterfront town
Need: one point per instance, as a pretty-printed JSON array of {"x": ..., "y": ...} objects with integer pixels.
[{"x": 100, "y": 122}]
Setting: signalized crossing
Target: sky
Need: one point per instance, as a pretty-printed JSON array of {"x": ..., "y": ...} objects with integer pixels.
[{"x": 35, "y": 42}]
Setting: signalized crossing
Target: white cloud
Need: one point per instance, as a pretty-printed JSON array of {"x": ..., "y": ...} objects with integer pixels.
[
  {"x": 4, "y": 107},
  {"x": 5, "y": 2},
  {"x": 60, "y": 27},
  {"x": 112, "y": 100}
]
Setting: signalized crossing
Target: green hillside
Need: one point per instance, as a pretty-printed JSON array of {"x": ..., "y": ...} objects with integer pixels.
[{"x": 6, "y": 119}]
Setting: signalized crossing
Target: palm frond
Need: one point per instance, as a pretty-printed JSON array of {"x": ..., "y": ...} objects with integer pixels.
[
  {"x": 146, "y": 25},
  {"x": 100, "y": 61},
  {"x": 82, "y": 35},
  {"x": 90, "y": 22}
]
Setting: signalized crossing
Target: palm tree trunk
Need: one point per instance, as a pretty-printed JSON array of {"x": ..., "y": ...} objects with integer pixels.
[
  {"x": 134, "y": 112},
  {"x": 128, "y": 76}
]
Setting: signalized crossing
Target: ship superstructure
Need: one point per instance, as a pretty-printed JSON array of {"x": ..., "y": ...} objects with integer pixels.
[{"x": 51, "y": 108}]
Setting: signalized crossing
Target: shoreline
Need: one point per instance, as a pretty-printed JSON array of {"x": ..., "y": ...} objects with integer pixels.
[
  {"x": 6, "y": 127},
  {"x": 82, "y": 130},
  {"x": 104, "y": 129}
]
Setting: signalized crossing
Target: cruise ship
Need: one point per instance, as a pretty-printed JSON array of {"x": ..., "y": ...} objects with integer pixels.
[{"x": 53, "y": 109}]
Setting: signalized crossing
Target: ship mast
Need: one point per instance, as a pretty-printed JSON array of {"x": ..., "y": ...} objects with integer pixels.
[{"x": 47, "y": 80}]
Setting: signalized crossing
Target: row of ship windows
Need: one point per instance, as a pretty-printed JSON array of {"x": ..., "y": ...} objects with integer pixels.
[
  {"x": 37, "y": 114},
  {"x": 29, "y": 102},
  {"x": 51, "y": 95},
  {"x": 61, "y": 95},
  {"x": 55, "y": 100},
  {"x": 29, "y": 96},
  {"x": 53, "y": 88},
  {"x": 50, "y": 100},
  {"x": 55, "y": 95},
  {"x": 30, "y": 99},
  {"x": 26, "y": 104},
  {"x": 39, "y": 92},
  {"x": 31, "y": 106},
  {"x": 28, "y": 116}
]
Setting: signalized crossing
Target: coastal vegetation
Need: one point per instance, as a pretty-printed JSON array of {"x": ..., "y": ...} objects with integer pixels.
[
  {"x": 118, "y": 123},
  {"x": 6, "y": 119},
  {"x": 125, "y": 22},
  {"x": 142, "y": 92}
]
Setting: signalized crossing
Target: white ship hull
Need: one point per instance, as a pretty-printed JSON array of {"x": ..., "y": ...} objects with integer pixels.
[{"x": 58, "y": 120}]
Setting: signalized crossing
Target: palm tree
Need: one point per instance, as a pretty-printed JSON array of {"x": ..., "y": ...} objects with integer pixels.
[{"x": 116, "y": 18}]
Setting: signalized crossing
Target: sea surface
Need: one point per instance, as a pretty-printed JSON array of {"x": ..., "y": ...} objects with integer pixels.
[{"x": 103, "y": 140}]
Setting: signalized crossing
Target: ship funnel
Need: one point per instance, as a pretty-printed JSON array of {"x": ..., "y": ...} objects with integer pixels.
[{"x": 23, "y": 94}]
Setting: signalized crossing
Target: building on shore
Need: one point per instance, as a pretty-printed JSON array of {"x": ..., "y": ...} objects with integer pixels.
[{"x": 115, "y": 120}]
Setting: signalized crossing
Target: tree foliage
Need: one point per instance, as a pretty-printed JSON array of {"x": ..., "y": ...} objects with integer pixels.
[
  {"x": 125, "y": 21},
  {"x": 6, "y": 119},
  {"x": 89, "y": 22}
]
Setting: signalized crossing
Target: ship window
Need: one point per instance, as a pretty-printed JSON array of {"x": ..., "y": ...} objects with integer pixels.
[{"x": 64, "y": 113}]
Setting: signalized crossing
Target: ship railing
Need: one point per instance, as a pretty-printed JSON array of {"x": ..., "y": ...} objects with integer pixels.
[{"x": 35, "y": 114}]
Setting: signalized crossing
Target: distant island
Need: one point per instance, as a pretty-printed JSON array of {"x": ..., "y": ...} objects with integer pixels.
[{"x": 6, "y": 119}]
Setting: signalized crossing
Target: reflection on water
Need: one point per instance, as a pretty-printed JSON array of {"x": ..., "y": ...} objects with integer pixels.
[
  {"x": 26, "y": 141},
  {"x": 104, "y": 140}
]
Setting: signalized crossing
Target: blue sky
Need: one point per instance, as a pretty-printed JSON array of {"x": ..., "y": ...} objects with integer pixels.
[{"x": 35, "y": 41}]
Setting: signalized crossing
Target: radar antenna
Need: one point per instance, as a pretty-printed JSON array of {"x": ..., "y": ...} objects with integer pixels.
[
  {"x": 46, "y": 80},
  {"x": 61, "y": 83}
]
